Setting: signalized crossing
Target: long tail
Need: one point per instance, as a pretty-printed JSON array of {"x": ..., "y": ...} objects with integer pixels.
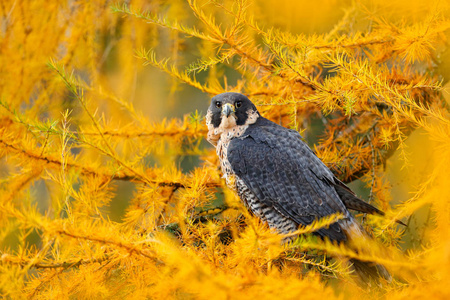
[
  {"x": 370, "y": 273},
  {"x": 367, "y": 272}
]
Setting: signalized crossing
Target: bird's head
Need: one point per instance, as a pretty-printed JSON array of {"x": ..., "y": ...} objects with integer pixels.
[
  {"x": 230, "y": 108},
  {"x": 227, "y": 111}
]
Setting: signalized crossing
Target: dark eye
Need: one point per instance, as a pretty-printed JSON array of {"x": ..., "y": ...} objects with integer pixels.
[
  {"x": 238, "y": 104},
  {"x": 218, "y": 104}
]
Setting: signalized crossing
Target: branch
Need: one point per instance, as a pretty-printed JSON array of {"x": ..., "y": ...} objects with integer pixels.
[
  {"x": 131, "y": 248},
  {"x": 9, "y": 259},
  {"x": 85, "y": 170}
]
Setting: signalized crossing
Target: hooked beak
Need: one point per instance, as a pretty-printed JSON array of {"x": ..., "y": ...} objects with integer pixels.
[{"x": 228, "y": 109}]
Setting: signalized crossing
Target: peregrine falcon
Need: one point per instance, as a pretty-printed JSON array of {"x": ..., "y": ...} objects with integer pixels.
[{"x": 277, "y": 176}]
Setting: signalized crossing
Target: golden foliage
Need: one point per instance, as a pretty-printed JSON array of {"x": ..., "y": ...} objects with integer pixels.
[{"x": 96, "y": 201}]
